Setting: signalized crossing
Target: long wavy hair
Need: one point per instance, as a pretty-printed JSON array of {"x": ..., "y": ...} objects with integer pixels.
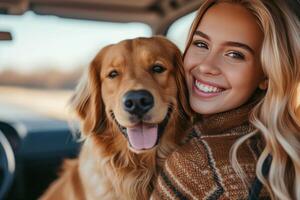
[{"x": 275, "y": 115}]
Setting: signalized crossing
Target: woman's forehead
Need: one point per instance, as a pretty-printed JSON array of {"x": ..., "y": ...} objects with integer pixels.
[{"x": 231, "y": 22}]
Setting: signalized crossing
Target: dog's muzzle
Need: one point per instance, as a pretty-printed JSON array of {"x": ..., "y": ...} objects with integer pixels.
[{"x": 143, "y": 135}]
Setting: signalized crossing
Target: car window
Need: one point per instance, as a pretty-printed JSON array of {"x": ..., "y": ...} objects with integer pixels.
[
  {"x": 43, "y": 62},
  {"x": 178, "y": 30}
]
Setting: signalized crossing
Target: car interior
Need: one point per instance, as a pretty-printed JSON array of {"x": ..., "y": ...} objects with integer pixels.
[{"x": 36, "y": 138}]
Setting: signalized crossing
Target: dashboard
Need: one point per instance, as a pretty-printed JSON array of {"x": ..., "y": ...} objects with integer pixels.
[{"x": 31, "y": 153}]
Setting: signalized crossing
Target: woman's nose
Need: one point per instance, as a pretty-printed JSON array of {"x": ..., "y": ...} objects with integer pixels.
[{"x": 210, "y": 65}]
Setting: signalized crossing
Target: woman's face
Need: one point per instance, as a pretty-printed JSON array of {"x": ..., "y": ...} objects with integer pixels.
[{"x": 222, "y": 64}]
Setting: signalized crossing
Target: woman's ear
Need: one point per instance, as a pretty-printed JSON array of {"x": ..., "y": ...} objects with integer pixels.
[
  {"x": 87, "y": 101},
  {"x": 263, "y": 85}
]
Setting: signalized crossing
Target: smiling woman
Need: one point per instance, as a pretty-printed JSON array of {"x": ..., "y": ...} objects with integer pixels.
[{"x": 242, "y": 66}]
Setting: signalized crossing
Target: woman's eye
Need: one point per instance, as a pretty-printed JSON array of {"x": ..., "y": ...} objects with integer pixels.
[
  {"x": 200, "y": 44},
  {"x": 113, "y": 74},
  {"x": 236, "y": 55},
  {"x": 158, "y": 69}
]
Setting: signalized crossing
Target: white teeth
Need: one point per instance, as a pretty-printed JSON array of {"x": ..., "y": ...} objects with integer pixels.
[{"x": 206, "y": 88}]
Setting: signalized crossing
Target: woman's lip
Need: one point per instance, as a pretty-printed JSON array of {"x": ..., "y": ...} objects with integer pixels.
[
  {"x": 209, "y": 83},
  {"x": 206, "y": 94}
]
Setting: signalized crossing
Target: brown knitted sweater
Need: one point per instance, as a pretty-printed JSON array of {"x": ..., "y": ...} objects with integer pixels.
[{"x": 201, "y": 168}]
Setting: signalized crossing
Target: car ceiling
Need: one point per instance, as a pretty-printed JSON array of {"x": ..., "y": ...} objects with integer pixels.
[{"x": 156, "y": 13}]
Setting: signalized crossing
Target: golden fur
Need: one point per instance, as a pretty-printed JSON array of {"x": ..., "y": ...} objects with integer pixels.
[{"x": 107, "y": 168}]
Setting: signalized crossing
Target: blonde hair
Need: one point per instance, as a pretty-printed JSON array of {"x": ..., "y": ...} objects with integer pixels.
[{"x": 275, "y": 115}]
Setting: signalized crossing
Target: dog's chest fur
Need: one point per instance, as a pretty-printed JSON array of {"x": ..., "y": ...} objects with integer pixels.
[
  {"x": 95, "y": 183},
  {"x": 100, "y": 180}
]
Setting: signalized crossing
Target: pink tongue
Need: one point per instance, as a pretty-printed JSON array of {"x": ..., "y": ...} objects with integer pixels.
[{"x": 142, "y": 136}]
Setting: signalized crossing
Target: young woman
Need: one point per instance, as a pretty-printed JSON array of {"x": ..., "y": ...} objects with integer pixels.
[{"x": 242, "y": 65}]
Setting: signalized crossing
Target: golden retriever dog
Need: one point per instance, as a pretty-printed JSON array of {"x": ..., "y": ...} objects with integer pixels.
[{"x": 133, "y": 110}]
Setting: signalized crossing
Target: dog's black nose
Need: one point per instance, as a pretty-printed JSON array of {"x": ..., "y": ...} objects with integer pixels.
[{"x": 138, "y": 102}]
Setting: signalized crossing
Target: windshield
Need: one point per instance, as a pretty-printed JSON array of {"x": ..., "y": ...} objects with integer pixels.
[{"x": 44, "y": 61}]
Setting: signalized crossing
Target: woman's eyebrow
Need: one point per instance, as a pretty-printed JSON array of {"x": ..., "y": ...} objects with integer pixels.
[
  {"x": 201, "y": 34},
  {"x": 228, "y": 43},
  {"x": 241, "y": 45}
]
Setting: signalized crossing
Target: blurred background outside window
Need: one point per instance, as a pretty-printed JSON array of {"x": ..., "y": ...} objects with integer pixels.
[{"x": 41, "y": 66}]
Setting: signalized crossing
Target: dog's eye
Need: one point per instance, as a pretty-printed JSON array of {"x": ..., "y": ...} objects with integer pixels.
[
  {"x": 113, "y": 74},
  {"x": 158, "y": 69}
]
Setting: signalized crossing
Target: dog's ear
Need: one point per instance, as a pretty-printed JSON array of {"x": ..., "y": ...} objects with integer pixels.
[
  {"x": 183, "y": 96},
  {"x": 87, "y": 101}
]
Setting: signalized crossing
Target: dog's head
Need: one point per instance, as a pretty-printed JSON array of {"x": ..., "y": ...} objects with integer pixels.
[{"x": 136, "y": 87}]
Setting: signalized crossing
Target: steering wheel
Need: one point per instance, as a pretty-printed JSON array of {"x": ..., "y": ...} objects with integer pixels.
[{"x": 7, "y": 165}]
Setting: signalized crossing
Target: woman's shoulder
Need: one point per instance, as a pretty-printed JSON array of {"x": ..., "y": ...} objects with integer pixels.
[
  {"x": 191, "y": 172},
  {"x": 201, "y": 169}
]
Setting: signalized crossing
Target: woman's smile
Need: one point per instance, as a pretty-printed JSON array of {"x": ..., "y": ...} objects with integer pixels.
[{"x": 206, "y": 89}]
